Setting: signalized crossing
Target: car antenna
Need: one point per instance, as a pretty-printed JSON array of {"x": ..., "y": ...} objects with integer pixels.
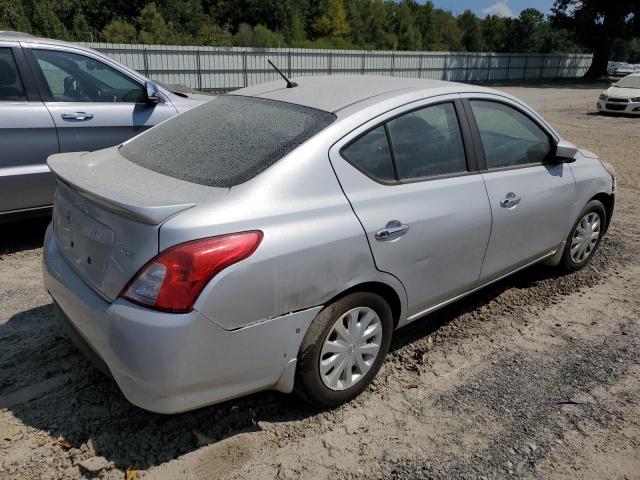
[{"x": 290, "y": 84}]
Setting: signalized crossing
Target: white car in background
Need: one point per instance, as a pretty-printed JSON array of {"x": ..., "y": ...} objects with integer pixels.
[
  {"x": 622, "y": 96},
  {"x": 621, "y": 70}
]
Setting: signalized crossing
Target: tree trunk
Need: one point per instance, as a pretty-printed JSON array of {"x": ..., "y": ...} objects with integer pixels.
[{"x": 600, "y": 60}]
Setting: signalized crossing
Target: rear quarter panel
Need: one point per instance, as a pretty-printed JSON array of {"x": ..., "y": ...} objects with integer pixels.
[{"x": 313, "y": 247}]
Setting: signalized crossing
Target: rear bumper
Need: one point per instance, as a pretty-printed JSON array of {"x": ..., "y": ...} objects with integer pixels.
[{"x": 168, "y": 363}]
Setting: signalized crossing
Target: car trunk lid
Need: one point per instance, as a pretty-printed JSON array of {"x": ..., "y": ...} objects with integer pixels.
[{"x": 108, "y": 211}]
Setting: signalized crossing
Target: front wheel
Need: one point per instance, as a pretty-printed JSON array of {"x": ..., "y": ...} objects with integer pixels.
[
  {"x": 343, "y": 349},
  {"x": 585, "y": 236}
]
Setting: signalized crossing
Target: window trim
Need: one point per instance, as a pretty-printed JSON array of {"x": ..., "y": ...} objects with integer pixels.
[
  {"x": 15, "y": 54},
  {"x": 43, "y": 86},
  {"x": 471, "y": 160},
  {"x": 477, "y": 140}
]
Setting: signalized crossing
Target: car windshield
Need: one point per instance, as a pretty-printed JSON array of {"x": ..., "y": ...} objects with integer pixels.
[
  {"x": 227, "y": 140},
  {"x": 632, "y": 81}
]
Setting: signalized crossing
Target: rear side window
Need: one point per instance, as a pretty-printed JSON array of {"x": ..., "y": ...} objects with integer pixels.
[
  {"x": 509, "y": 137},
  {"x": 370, "y": 153},
  {"x": 11, "y": 89},
  {"x": 226, "y": 141},
  {"x": 428, "y": 143}
]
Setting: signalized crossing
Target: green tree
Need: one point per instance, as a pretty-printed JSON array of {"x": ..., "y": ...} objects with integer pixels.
[
  {"x": 45, "y": 20},
  {"x": 597, "y": 24},
  {"x": 153, "y": 28},
  {"x": 332, "y": 19},
  {"x": 450, "y": 35},
  {"x": 264, "y": 37},
  {"x": 244, "y": 36},
  {"x": 183, "y": 17},
  {"x": 426, "y": 21},
  {"x": 472, "y": 40},
  {"x": 408, "y": 33},
  {"x": 495, "y": 33},
  {"x": 119, "y": 31},
  {"x": 294, "y": 32},
  {"x": 13, "y": 16},
  {"x": 212, "y": 34},
  {"x": 80, "y": 29}
]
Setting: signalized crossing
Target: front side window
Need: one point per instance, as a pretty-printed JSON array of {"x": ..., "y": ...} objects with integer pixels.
[
  {"x": 11, "y": 89},
  {"x": 75, "y": 78},
  {"x": 428, "y": 143},
  {"x": 509, "y": 137},
  {"x": 370, "y": 153}
]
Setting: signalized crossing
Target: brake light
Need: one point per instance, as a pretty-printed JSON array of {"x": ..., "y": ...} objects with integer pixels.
[{"x": 173, "y": 280}]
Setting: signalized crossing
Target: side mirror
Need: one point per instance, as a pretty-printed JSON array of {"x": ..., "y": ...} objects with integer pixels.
[
  {"x": 151, "y": 93},
  {"x": 565, "y": 152}
]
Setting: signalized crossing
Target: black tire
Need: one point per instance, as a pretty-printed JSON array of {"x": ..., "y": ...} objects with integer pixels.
[
  {"x": 309, "y": 384},
  {"x": 567, "y": 263}
]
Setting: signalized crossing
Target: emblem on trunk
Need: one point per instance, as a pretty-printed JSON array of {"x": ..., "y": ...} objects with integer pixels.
[{"x": 126, "y": 253}]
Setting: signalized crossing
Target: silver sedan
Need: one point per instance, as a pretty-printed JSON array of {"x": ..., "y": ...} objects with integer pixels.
[
  {"x": 59, "y": 97},
  {"x": 275, "y": 237}
]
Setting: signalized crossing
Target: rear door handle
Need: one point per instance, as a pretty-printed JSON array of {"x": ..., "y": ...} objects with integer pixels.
[
  {"x": 392, "y": 231},
  {"x": 77, "y": 116},
  {"x": 511, "y": 200}
]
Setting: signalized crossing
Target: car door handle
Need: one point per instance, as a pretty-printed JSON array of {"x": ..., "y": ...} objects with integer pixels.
[
  {"x": 393, "y": 230},
  {"x": 511, "y": 200},
  {"x": 77, "y": 116}
]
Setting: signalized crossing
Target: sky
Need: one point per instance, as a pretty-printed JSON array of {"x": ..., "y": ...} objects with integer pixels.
[{"x": 503, "y": 8}]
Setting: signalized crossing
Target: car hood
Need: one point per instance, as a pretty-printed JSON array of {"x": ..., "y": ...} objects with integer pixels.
[{"x": 622, "y": 92}]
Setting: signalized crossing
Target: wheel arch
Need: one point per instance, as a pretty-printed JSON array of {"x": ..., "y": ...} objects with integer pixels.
[
  {"x": 607, "y": 199},
  {"x": 386, "y": 291}
]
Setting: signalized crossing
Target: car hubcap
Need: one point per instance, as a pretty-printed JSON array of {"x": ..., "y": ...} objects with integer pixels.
[
  {"x": 351, "y": 348},
  {"x": 585, "y": 237}
]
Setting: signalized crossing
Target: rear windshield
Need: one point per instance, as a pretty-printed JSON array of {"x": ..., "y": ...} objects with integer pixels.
[{"x": 226, "y": 141}]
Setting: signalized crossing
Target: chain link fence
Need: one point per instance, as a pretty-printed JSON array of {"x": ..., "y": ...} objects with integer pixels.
[{"x": 217, "y": 69}]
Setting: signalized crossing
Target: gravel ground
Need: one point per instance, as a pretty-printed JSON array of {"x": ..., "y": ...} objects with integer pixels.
[{"x": 537, "y": 376}]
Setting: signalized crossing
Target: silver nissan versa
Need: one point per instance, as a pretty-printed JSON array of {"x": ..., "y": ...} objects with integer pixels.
[{"x": 275, "y": 237}]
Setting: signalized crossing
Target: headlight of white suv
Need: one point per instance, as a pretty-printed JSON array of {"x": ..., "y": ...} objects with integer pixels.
[{"x": 602, "y": 96}]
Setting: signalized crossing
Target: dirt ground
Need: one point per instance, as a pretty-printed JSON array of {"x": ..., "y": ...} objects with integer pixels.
[{"x": 537, "y": 376}]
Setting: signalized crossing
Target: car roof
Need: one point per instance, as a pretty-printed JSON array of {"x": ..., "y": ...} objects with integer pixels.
[
  {"x": 11, "y": 36},
  {"x": 335, "y": 92}
]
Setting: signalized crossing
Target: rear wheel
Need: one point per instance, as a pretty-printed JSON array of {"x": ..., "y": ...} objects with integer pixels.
[
  {"x": 344, "y": 349},
  {"x": 585, "y": 237}
]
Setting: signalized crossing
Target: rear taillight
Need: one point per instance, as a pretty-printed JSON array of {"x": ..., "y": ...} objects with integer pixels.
[{"x": 173, "y": 280}]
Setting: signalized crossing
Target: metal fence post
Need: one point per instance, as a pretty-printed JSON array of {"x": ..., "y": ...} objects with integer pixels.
[
  {"x": 145, "y": 59},
  {"x": 289, "y": 63},
  {"x": 526, "y": 66},
  {"x": 508, "y": 66},
  {"x": 544, "y": 57},
  {"x": 420, "y": 65},
  {"x": 490, "y": 57},
  {"x": 466, "y": 67},
  {"x": 393, "y": 64},
  {"x": 199, "y": 69},
  {"x": 244, "y": 69},
  {"x": 330, "y": 62},
  {"x": 364, "y": 60},
  {"x": 559, "y": 63}
]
